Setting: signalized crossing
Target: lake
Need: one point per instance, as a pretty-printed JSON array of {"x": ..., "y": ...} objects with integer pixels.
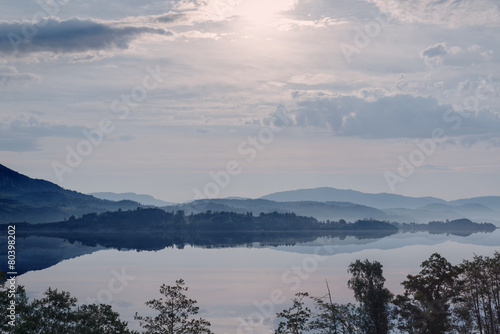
[{"x": 238, "y": 288}]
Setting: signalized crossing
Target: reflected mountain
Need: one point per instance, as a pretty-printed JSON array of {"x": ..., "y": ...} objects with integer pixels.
[
  {"x": 42, "y": 250},
  {"x": 39, "y": 246},
  {"x": 37, "y": 251}
]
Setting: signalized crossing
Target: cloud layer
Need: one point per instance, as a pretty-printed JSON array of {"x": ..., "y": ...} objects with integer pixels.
[
  {"x": 22, "y": 133},
  {"x": 10, "y": 76},
  {"x": 400, "y": 116},
  {"x": 450, "y": 13},
  {"x": 69, "y": 36}
]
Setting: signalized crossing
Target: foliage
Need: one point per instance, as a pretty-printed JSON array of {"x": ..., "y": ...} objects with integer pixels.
[
  {"x": 478, "y": 309},
  {"x": 157, "y": 219},
  {"x": 425, "y": 306},
  {"x": 367, "y": 283},
  {"x": 441, "y": 298},
  {"x": 57, "y": 313},
  {"x": 333, "y": 318},
  {"x": 296, "y": 317},
  {"x": 21, "y": 304},
  {"x": 175, "y": 310},
  {"x": 101, "y": 319}
]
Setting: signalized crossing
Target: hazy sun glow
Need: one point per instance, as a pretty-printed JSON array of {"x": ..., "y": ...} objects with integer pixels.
[{"x": 261, "y": 13}]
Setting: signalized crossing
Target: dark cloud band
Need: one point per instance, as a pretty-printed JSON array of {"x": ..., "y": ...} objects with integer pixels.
[{"x": 70, "y": 36}]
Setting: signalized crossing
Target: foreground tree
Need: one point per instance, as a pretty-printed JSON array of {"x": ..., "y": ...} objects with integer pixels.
[
  {"x": 367, "y": 282},
  {"x": 296, "y": 318},
  {"x": 57, "y": 313},
  {"x": 478, "y": 309},
  {"x": 333, "y": 318},
  {"x": 91, "y": 319},
  {"x": 425, "y": 306},
  {"x": 21, "y": 305},
  {"x": 175, "y": 310},
  {"x": 54, "y": 313}
]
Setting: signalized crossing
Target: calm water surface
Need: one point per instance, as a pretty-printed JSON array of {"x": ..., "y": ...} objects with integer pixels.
[{"x": 234, "y": 286}]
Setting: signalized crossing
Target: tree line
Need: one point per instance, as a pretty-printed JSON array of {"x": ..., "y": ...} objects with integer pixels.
[
  {"x": 212, "y": 221},
  {"x": 441, "y": 298},
  {"x": 157, "y": 219}
]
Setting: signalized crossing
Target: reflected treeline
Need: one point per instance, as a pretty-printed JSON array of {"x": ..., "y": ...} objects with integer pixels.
[
  {"x": 32, "y": 255},
  {"x": 459, "y": 227},
  {"x": 155, "y": 229},
  {"x": 154, "y": 240}
]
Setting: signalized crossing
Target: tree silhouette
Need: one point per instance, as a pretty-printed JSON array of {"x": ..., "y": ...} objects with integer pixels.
[
  {"x": 175, "y": 310},
  {"x": 57, "y": 313},
  {"x": 425, "y": 305},
  {"x": 367, "y": 282},
  {"x": 333, "y": 318},
  {"x": 296, "y": 317},
  {"x": 478, "y": 309}
]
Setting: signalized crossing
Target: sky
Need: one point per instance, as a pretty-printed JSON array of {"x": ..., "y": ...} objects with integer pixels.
[{"x": 216, "y": 98}]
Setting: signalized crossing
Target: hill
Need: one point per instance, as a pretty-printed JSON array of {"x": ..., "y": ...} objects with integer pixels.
[
  {"x": 155, "y": 219},
  {"x": 492, "y": 202},
  {"x": 319, "y": 210},
  {"x": 139, "y": 198},
  {"x": 38, "y": 201},
  {"x": 327, "y": 194}
]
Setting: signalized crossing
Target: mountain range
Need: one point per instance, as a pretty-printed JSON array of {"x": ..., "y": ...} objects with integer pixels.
[
  {"x": 319, "y": 210},
  {"x": 403, "y": 208},
  {"x": 38, "y": 201},
  {"x": 139, "y": 198},
  {"x": 382, "y": 200}
]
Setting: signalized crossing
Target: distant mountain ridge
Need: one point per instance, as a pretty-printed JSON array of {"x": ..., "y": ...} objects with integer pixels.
[
  {"x": 139, "y": 198},
  {"x": 38, "y": 201},
  {"x": 379, "y": 201},
  {"x": 402, "y": 208},
  {"x": 319, "y": 210},
  {"x": 492, "y": 202}
]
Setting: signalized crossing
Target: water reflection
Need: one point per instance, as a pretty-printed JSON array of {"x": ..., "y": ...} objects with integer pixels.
[
  {"x": 37, "y": 251},
  {"x": 232, "y": 282}
]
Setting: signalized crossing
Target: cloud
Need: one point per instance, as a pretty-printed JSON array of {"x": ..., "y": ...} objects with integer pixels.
[
  {"x": 21, "y": 133},
  {"x": 437, "y": 53},
  {"x": 435, "y": 50},
  {"x": 196, "y": 34},
  {"x": 491, "y": 139},
  {"x": 69, "y": 36},
  {"x": 312, "y": 79},
  {"x": 435, "y": 167},
  {"x": 17, "y": 143},
  {"x": 170, "y": 17},
  {"x": 399, "y": 116},
  {"x": 451, "y": 13},
  {"x": 434, "y": 54},
  {"x": 10, "y": 76}
]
